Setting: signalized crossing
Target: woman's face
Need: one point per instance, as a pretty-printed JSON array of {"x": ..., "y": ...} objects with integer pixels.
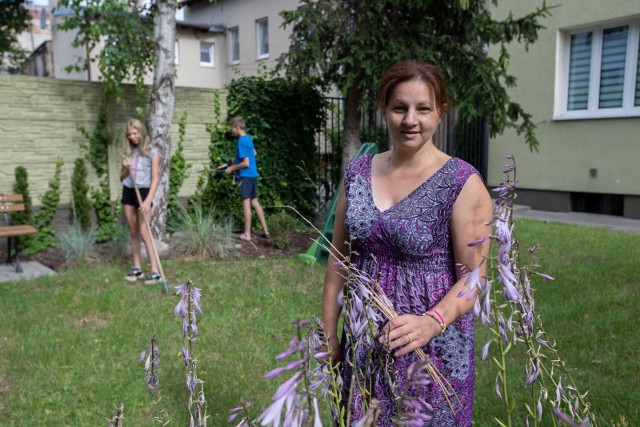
[
  {"x": 133, "y": 136},
  {"x": 411, "y": 114}
]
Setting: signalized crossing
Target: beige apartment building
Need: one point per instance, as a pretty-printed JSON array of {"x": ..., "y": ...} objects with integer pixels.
[{"x": 215, "y": 42}]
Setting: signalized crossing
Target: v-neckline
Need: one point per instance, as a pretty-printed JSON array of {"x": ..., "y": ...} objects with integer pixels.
[{"x": 408, "y": 194}]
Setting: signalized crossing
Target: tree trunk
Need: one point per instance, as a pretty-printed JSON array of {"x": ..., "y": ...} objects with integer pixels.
[
  {"x": 351, "y": 136},
  {"x": 161, "y": 105}
]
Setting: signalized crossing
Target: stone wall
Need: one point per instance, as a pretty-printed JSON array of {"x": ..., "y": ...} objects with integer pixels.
[{"x": 38, "y": 119}]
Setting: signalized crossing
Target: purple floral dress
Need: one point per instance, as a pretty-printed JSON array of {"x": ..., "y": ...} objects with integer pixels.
[{"x": 408, "y": 249}]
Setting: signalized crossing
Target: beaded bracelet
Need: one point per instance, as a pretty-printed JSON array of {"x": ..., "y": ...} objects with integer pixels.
[{"x": 443, "y": 325}]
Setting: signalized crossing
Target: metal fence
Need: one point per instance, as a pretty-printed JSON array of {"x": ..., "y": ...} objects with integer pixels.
[{"x": 466, "y": 138}]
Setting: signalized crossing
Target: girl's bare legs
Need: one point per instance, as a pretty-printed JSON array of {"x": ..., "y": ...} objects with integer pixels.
[{"x": 131, "y": 215}]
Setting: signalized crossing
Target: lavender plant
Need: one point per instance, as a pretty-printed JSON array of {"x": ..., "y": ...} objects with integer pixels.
[
  {"x": 506, "y": 303},
  {"x": 187, "y": 308}
]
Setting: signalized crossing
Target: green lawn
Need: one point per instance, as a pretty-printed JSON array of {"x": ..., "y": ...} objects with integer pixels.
[{"x": 69, "y": 344}]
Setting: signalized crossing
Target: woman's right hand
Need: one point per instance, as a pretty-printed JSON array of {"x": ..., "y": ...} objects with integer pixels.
[{"x": 126, "y": 162}]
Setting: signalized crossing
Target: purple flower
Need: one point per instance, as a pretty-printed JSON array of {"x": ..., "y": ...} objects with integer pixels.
[
  {"x": 285, "y": 393},
  {"x": 485, "y": 350},
  {"x": 274, "y": 372},
  {"x": 561, "y": 416},
  {"x": 478, "y": 241}
]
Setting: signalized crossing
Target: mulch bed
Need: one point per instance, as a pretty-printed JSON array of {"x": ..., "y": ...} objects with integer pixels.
[{"x": 258, "y": 248}]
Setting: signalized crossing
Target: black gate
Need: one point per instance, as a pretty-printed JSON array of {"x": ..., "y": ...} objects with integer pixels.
[{"x": 463, "y": 137}]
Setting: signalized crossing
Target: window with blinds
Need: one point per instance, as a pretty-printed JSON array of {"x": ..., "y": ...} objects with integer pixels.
[{"x": 601, "y": 72}]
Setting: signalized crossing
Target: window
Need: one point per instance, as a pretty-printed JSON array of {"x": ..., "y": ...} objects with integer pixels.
[
  {"x": 234, "y": 45},
  {"x": 206, "y": 54},
  {"x": 599, "y": 72},
  {"x": 262, "y": 31}
]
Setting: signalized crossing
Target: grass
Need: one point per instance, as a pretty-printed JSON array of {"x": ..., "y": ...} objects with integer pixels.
[{"x": 69, "y": 344}]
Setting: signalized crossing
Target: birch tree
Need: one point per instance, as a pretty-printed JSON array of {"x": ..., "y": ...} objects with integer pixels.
[
  {"x": 161, "y": 103},
  {"x": 128, "y": 41}
]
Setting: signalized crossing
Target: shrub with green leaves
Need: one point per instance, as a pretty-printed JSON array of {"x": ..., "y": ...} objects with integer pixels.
[
  {"x": 41, "y": 220},
  {"x": 284, "y": 137},
  {"x": 178, "y": 173},
  {"x": 280, "y": 226},
  {"x": 21, "y": 186},
  {"x": 80, "y": 203},
  {"x": 97, "y": 153}
]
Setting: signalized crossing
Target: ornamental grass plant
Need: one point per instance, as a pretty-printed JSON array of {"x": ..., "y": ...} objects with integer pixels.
[{"x": 69, "y": 344}]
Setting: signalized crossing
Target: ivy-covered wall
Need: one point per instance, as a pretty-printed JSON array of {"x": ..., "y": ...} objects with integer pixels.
[{"x": 38, "y": 118}]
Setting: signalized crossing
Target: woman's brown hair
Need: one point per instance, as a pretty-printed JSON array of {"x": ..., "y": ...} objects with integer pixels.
[{"x": 412, "y": 69}]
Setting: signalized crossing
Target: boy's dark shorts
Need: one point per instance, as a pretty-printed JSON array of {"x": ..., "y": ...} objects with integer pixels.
[
  {"x": 248, "y": 188},
  {"x": 129, "y": 196}
]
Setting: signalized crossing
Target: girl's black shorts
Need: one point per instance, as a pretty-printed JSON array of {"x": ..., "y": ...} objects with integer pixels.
[{"x": 129, "y": 196}]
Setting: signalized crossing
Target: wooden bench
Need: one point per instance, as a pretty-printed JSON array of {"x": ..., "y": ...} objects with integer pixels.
[{"x": 13, "y": 203}]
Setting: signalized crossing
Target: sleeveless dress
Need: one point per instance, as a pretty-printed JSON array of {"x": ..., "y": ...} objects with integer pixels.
[{"x": 408, "y": 249}]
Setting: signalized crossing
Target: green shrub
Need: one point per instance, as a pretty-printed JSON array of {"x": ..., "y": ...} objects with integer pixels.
[
  {"x": 217, "y": 189},
  {"x": 80, "y": 203},
  {"x": 284, "y": 137},
  {"x": 41, "y": 220},
  {"x": 96, "y": 151},
  {"x": 21, "y": 186},
  {"x": 178, "y": 173},
  {"x": 202, "y": 235},
  {"x": 281, "y": 225}
]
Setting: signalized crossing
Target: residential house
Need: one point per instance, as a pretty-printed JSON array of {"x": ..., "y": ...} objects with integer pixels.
[
  {"x": 581, "y": 83},
  {"x": 215, "y": 41}
]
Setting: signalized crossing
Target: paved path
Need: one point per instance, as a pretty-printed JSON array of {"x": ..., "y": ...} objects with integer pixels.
[
  {"x": 32, "y": 269},
  {"x": 610, "y": 222}
]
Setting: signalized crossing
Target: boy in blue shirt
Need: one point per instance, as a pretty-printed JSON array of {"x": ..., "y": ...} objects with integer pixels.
[{"x": 247, "y": 171}]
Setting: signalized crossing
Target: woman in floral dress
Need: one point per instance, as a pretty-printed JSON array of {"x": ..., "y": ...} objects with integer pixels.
[{"x": 407, "y": 216}]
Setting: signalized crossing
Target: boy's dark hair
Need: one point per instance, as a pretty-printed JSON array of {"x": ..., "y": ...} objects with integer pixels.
[{"x": 237, "y": 121}]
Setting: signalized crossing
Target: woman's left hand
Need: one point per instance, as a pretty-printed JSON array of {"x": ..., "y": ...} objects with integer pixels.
[{"x": 408, "y": 332}]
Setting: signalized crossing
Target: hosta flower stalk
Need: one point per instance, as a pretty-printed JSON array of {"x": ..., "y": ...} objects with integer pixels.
[
  {"x": 506, "y": 303},
  {"x": 188, "y": 307}
]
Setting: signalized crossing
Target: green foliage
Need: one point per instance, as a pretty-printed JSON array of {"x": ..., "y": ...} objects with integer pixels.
[
  {"x": 280, "y": 226},
  {"x": 80, "y": 203},
  {"x": 200, "y": 234},
  {"x": 124, "y": 32},
  {"x": 350, "y": 45},
  {"x": 97, "y": 153},
  {"x": 97, "y": 145},
  {"x": 178, "y": 173},
  {"x": 217, "y": 189},
  {"x": 77, "y": 243},
  {"x": 21, "y": 186},
  {"x": 41, "y": 220},
  {"x": 14, "y": 18},
  {"x": 284, "y": 137}
]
